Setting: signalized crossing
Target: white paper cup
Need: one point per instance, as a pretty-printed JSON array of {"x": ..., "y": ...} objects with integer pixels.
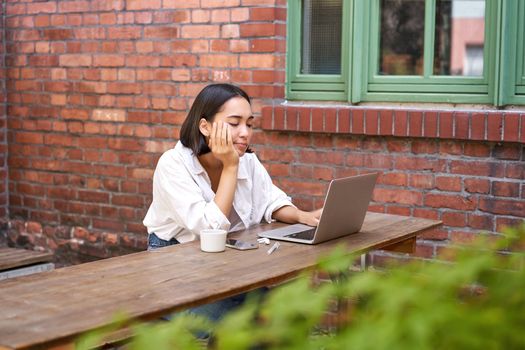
[{"x": 213, "y": 240}]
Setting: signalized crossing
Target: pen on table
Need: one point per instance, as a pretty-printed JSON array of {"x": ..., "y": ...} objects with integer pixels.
[{"x": 273, "y": 248}]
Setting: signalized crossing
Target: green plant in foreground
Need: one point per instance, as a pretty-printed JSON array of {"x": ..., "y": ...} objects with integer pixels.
[{"x": 475, "y": 300}]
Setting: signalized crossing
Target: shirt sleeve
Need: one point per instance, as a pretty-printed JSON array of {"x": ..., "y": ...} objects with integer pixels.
[
  {"x": 276, "y": 198},
  {"x": 183, "y": 201}
]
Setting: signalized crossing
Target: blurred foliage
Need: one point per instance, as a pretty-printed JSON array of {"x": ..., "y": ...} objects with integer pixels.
[{"x": 474, "y": 299}]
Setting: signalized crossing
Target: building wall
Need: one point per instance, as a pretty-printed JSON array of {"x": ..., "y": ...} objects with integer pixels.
[
  {"x": 97, "y": 90},
  {"x": 3, "y": 139}
]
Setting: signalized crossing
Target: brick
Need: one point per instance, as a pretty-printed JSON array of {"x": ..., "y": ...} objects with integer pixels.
[
  {"x": 511, "y": 127},
  {"x": 461, "y": 125},
  {"x": 371, "y": 122},
  {"x": 452, "y": 202},
  {"x": 415, "y": 124},
  {"x": 263, "y": 45},
  {"x": 26, "y": 137},
  {"x": 400, "y": 123},
  {"x": 129, "y": 32},
  {"x": 397, "y": 196},
  {"x": 74, "y": 114},
  {"x": 200, "y": 16},
  {"x": 257, "y": 61},
  {"x": 477, "y": 185},
  {"x": 218, "y": 61},
  {"x": 230, "y": 31},
  {"x": 418, "y": 163},
  {"x": 160, "y": 32},
  {"x": 386, "y": 119},
  {"x": 522, "y": 128},
  {"x": 220, "y": 3},
  {"x": 317, "y": 120},
  {"x": 435, "y": 234},
  {"x": 175, "y": 4},
  {"x": 494, "y": 127},
  {"x": 330, "y": 116},
  {"x": 424, "y": 147},
  {"x": 73, "y": 6},
  {"x": 448, "y": 183},
  {"x": 430, "y": 124},
  {"x": 446, "y": 126},
  {"x": 515, "y": 171},
  {"x": 478, "y": 126},
  {"x": 240, "y": 14},
  {"x": 200, "y": 31},
  {"x": 502, "y": 207},
  {"x": 481, "y": 222},
  {"x": 143, "y": 4},
  {"x": 257, "y": 29},
  {"x": 425, "y": 181},
  {"x": 386, "y": 178},
  {"x": 262, "y": 14},
  {"x": 454, "y": 219},
  {"x": 221, "y": 16},
  {"x": 104, "y": 5},
  {"x": 75, "y": 60},
  {"x": 477, "y": 149},
  {"x": 357, "y": 126},
  {"x": 479, "y": 168},
  {"x": 343, "y": 120},
  {"x": 505, "y": 189},
  {"x": 507, "y": 151},
  {"x": 41, "y": 7},
  {"x": 291, "y": 119}
]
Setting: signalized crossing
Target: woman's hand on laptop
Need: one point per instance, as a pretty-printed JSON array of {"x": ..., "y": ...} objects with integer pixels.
[
  {"x": 292, "y": 215},
  {"x": 310, "y": 218}
]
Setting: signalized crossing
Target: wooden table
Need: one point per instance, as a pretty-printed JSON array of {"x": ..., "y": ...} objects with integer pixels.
[
  {"x": 52, "y": 308},
  {"x": 20, "y": 262}
]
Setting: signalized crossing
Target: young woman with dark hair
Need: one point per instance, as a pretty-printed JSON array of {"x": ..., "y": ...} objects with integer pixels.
[{"x": 211, "y": 179}]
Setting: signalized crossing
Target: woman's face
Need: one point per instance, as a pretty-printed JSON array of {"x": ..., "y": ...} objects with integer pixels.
[{"x": 237, "y": 113}]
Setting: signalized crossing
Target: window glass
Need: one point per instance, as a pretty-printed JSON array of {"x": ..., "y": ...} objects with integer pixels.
[
  {"x": 459, "y": 37},
  {"x": 401, "y": 42},
  {"x": 321, "y": 37}
]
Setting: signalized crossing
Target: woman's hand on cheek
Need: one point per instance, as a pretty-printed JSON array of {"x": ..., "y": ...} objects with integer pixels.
[{"x": 221, "y": 144}]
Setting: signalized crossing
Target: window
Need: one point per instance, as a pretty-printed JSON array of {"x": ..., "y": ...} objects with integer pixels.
[{"x": 456, "y": 51}]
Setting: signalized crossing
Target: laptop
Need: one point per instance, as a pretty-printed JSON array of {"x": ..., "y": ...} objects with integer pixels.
[{"x": 343, "y": 213}]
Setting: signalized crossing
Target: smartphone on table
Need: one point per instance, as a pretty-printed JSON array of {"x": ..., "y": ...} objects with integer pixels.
[{"x": 241, "y": 245}]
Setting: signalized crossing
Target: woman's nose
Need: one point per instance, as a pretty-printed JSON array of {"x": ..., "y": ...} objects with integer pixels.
[{"x": 243, "y": 130}]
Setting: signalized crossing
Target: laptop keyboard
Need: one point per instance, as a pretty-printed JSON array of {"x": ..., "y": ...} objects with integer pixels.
[{"x": 306, "y": 235}]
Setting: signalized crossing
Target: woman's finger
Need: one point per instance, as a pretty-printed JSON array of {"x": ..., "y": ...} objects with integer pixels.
[
  {"x": 229, "y": 141},
  {"x": 212, "y": 142},
  {"x": 224, "y": 134}
]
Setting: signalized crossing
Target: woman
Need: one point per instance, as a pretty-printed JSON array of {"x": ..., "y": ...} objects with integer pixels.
[{"x": 211, "y": 179}]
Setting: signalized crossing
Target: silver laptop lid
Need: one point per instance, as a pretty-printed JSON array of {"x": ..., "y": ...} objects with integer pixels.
[{"x": 345, "y": 206}]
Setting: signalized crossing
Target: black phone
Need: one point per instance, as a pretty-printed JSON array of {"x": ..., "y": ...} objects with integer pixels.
[{"x": 241, "y": 245}]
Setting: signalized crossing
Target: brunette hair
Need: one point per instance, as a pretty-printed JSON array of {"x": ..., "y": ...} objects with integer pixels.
[{"x": 207, "y": 103}]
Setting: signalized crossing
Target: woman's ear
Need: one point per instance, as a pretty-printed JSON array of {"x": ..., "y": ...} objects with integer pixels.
[{"x": 204, "y": 127}]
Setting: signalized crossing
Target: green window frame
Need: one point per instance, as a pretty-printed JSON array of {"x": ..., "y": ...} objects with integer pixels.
[{"x": 502, "y": 82}]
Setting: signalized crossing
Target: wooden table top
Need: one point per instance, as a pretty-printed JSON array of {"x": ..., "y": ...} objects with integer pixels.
[
  {"x": 12, "y": 258},
  {"x": 55, "y": 307}
]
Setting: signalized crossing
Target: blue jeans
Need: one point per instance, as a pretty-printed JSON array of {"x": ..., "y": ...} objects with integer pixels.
[{"x": 214, "y": 311}]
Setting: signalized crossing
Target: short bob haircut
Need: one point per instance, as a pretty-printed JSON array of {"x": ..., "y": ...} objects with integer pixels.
[{"x": 207, "y": 103}]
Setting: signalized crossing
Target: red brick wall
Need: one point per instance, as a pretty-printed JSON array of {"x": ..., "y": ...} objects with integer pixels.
[
  {"x": 97, "y": 90},
  {"x": 3, "y": 141}
]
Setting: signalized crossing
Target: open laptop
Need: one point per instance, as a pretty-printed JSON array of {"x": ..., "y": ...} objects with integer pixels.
[{"x": 343, "y": 213}]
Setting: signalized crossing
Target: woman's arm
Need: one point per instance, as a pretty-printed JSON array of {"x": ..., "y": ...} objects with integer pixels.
[{"x": 292, "y": 215}]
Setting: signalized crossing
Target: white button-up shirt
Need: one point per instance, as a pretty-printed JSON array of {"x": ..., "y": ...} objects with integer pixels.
[{"x": 183, "y": 199}]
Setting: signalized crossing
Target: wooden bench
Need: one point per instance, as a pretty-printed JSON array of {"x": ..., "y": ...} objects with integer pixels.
[{"x": 20, "y": 262}]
